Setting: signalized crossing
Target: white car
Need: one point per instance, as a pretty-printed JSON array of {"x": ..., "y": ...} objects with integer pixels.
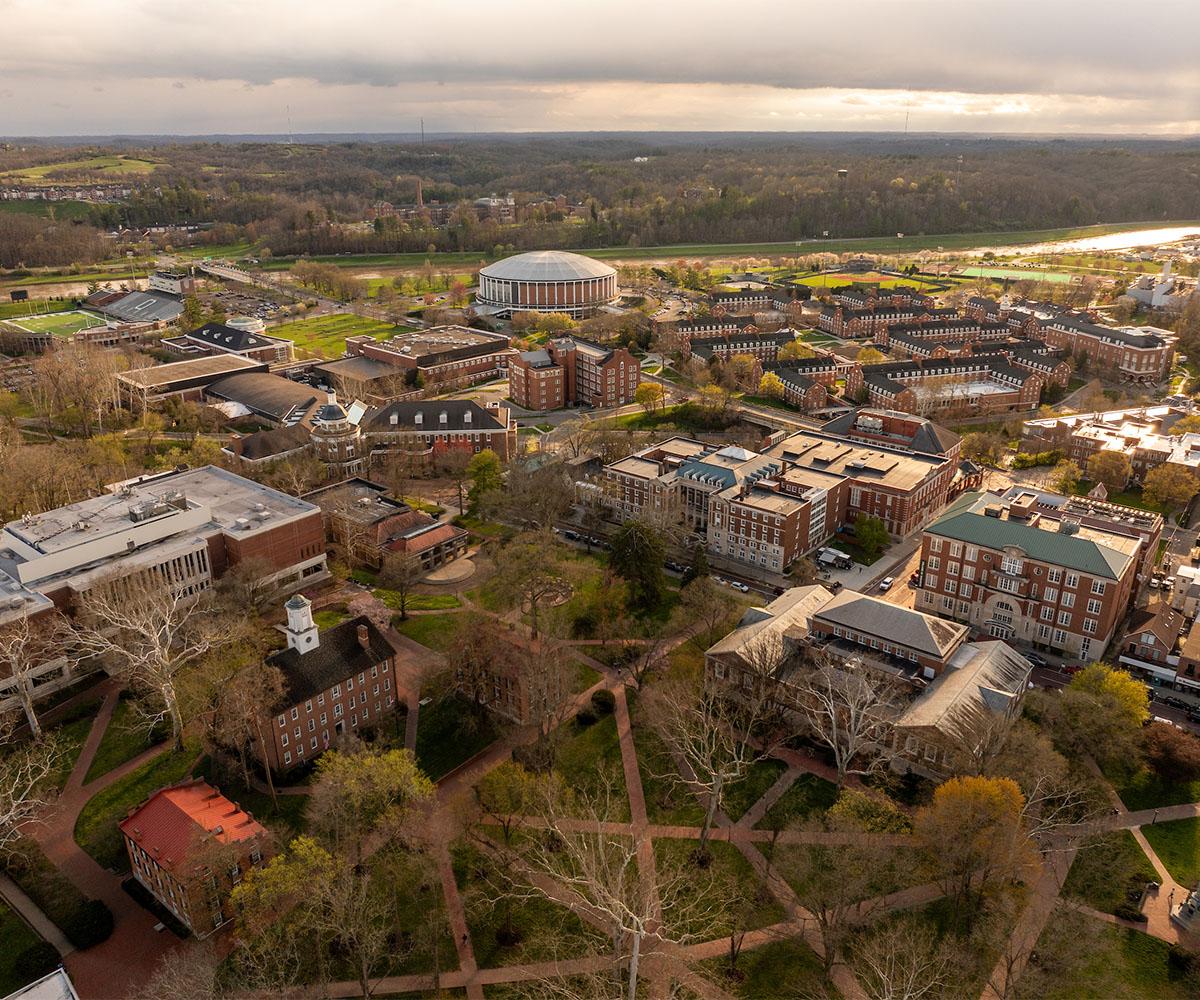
[
  {"x": 738, "y": 585},
  {"x": 886, "y": 583}
]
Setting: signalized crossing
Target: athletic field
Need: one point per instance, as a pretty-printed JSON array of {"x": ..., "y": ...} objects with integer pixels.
[{"x": 60, "y": 324}]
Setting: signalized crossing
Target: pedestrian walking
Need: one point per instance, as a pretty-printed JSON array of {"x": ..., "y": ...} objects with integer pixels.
[{"x": 1155, "y": 819}]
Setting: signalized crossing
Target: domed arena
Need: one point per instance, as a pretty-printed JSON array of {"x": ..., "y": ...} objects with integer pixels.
[{"x": 546, "y": 281}]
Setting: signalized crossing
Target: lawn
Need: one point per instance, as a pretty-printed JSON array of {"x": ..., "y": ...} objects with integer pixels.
[
  {"x": 781, "y": 970},
  {"x": 1101, "y": 873},
  {"x": 326, "y": 335},
  {"x": 1148, "y": 790},
  {"x": 329, "y": 617},
  {"x": 741, "y": 795},
  {"x": 1016, "y": 273},
  {"x": 96, "y": 828},
  {"x": 727, "y": 871},
  {"x": 15, "y": 937},
  {"x": 1081, "y": 959},
  {"x": 63, "y": 210},
  {"x": 448, "y": 735},
  {"x": 122, "y": 741},
  {"x": 546, "y": 931},
  {"x": 807, "y": 796},
  {"x": 52, "y": 891},
  {"x": 589, "y": 757},
  {"x": 1177, "y": 845},
  {"x": 419, "y": 602},
  {"x": 435, "y": 631},
  {"x": 667, "y": 800},
  {"x": 60, "y": 324}
]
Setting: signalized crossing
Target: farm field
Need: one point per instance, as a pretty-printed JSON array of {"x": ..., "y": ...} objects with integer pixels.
[
  {"x": 114, "y": 166},
  {"x": 60, "y": 324},
  {"x": 326, "y": 335},
  {"x": 62, "y": 209}
]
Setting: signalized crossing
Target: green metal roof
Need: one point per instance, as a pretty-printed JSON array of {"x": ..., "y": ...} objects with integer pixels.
[{"x": 965, "y": 521}]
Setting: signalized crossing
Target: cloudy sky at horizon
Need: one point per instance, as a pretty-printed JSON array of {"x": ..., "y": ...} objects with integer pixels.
[{"x": 75, "y": 67}]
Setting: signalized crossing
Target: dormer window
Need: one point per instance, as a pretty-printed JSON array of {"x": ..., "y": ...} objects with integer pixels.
[
  {"x": 394, "y": 419},
  {"x": 442, "y": 419},
  {"x": 418, "y": 418},
  {"x": 466, "y": 417}
]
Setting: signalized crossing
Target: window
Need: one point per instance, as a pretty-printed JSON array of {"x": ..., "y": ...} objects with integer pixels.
[
  {"x": 933, "y": 563},
  {"x": 295, "y": 713},
  {"x": 972, "y": 553},
  {"x": 1089, "y": 626},
  {"x": 282, "y": 721},
  {"x": 1060, "y": 637},
  {"x": 952, "y": 568},
  {"x": 308, "y": 706},
  {"x": 1093, "y": 607},
  {"x": 1072, "y": 580},
  {"x": 321, "y": 698},
  {"x": 287, "y": 757},
  {"x": 955, "y": 550},
  {"x": 968, "y": 572},
  {"x": 1047, "y": 613},
  {"x": 337, "y": 711},
  {"x": 312, "y": 725},
  {"x": 1064, "y": 618},
  {"x": 1043, "y": 631},
  {"x": 951, "y": 586},
  {"x": 964, "y": 591},
  {"x": 284, "y": 739},
  {"x": 1011, "y": 564},
  {"x": 935, "y": 545},
  {"x": 1098, "y": 588},
  {"x": 1051, "y": 595},
  {"x": 1054, "y": 576},
  {"x": 1068, "y": 600},
  {"x": 324, "y": 719}
]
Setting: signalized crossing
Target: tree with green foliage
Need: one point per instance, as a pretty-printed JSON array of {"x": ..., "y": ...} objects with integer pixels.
[
  {"x": 872, "y": 536},
  {"x": 869, "y": 355},
  {"x": 870, "y": 811},
  {"x": 1186, "y": 425},
  {"x": 506, "y": 795},
  {"x": 697, "y": 566},
  {"x": 637, "y": 555},
  {"x": 1112, "y": 468},
  {"x": 650, "y": 396},
  {"x": 1065, "y": 476},
  {"x": 795, "y": 350},
  {"x": 485, "y": 473},
  {"x": 1170, "y": 486},
  {"x": 771, "y": 386},
  {"x": 193, "y": 313},
  {"x": 983, "y": 447}
]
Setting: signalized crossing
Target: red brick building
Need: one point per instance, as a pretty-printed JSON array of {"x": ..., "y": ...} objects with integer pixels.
[
  {"x": 441, "y": 356},
  {"x": 1136, "y": 354},
  {"x": 429, "y": 428},
  {"x": 573, "y": 371},
  {"x": 336, "y": 681},
  {"x": 763, "y": 347},
  {"x": 189, "y": 846},
  {"x": 947, "y": 386}
]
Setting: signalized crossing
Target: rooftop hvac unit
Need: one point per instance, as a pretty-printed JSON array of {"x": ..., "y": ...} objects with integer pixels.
[{"x": 242, "y": 523}]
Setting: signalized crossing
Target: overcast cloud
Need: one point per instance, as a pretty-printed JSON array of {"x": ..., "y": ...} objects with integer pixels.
[{"x": 100, "y": 66}]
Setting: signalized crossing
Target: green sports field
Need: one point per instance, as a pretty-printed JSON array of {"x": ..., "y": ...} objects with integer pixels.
[
  {"x": 60, "y": 324},
  {"x": 326, "y": 335},
  {"x": 1016, "y": 273}
]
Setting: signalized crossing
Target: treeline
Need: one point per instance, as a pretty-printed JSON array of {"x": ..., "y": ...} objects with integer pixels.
[{"x": 31, "y": 241}]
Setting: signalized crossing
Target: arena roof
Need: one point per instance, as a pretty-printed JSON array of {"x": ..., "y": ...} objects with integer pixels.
[{"x": 547, "y": 265}]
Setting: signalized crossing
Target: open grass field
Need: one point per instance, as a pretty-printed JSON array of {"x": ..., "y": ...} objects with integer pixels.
[
  {"x": 326, "y": 335},
  {"x": 66, "y": 210},
  {"x": 1016, "y": 273},
  {"x": 866, "y": 244},
  {"x": 60, "y": 324},
  {"x": 106, "y": 166}
]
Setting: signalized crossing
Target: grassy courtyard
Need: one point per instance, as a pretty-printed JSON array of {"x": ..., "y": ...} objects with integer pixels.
[
  {"x": 1177, "y": 845},
  {"x": 326, "y": 335},
  {"x": 15, "y": 937}
]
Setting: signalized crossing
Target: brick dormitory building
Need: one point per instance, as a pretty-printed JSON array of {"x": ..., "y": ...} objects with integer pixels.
[
  {"x": 764, "y": 510},
  {"x": 570, "y": 371},
  {"x": 441, "y": 356},
  {"x": 986, "y": 383}
]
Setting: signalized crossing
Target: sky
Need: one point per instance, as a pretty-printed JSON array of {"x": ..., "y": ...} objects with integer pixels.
[{"x": 99, "y": 67}]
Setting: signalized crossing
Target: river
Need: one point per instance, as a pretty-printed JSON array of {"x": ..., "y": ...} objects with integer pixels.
[{"x": 1109, "y": 241}]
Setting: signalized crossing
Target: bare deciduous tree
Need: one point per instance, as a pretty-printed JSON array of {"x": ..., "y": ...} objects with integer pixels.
[
  {"x": 146, "y": 631},
  {"x": 25, "y": 647},
  {"x": 848, "y": 707},
  {"x": 905, "y": 960},
  {"x": 25, "y": 772}
]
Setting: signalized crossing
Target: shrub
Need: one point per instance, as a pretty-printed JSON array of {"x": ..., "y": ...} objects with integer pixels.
[
  {"x": 36, "y": 961},
  {"x": 585, "y": 717},
  {"x": 91, "y": 923},
  {"x": 603, "y": 702},
  {"x": 1127, "y": 910},
  {"x": 1183, "y": 959},
  {"x": 1030, "y": 460}
]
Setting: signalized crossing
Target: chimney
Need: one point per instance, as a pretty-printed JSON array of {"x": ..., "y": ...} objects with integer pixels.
[
  {"x": 364, "y": 637},
  {"x": 236, "y": 445}
]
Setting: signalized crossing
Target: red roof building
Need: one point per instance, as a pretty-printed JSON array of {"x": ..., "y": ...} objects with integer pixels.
[{"x": 189, "y": 845}]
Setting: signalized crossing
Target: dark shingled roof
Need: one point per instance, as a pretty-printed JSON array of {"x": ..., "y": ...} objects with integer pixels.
[
  {"x": 228, "y": 338},
  {"x": 482, "y": 419},
  {"x": 337, "y": 657},
  {"x": 277, "y": 441},
  {"x": 266, "y": 394}
]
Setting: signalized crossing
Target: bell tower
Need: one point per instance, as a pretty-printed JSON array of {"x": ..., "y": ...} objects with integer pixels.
[{"x": 302, "y": 634}]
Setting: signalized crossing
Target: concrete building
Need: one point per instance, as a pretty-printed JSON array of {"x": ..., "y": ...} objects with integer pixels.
[
  {"x": 178, "y": 283},
  {"x": 1162, "y": 291},
  {"x": 189, "y": 846},
  {"x": 546, "y": 281},
  {"x": 570, "y": 371},
  {"x": 440, "y": 357},
  {"x": 140, "y": 388},
  {"x": 1016, "y": 570},
  {"x": 365, "y": 524},
  {"x": 336, "y": 681}
]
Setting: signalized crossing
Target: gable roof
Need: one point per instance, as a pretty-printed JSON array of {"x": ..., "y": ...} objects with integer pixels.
[
  {"x": 338, "y": 655},
  {"x": 268, "y": 395},
  {"x": 983, "y": 680},
  {"x": 277, "y": 441},
  {"x": 168, "y": 825},
  {"x": 873, "y": 616},
  {"x": 482, "y": 419}
]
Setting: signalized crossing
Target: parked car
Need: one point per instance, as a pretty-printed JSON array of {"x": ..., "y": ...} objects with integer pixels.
[
  {"x": 886, "y": 583},
  {"x": 1036, "y": 659},
  {"x": 738, "y": 585},
  {"x": 1194, "y": 715},
  {"x": 1072, "y": 668},
  {"x": 1155, "y": 582},
  {"x": 1174, "y": 702},
  {"x": 572, "y": 535},
  {"x": 1169, "y": 583}
]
